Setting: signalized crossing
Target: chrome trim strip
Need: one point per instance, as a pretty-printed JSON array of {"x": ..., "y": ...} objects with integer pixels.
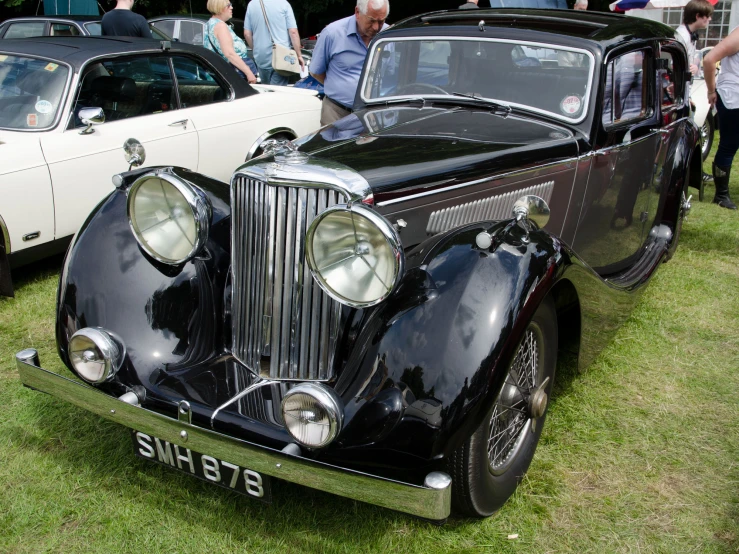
[
  {"x": 490, "y": 208},
  {"x": 421, "y": 501},
  {"x": 265, "y": 136},
  {"x": 510, "y": 174},
  {"x": 6, "y": 235},
  {"x": 317, "y": 173},
  {"x": 382, "y": 100}
]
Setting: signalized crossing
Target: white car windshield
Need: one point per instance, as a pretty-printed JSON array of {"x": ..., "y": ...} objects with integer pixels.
[
  {"x": 31, "y": 92},
  {"x": 545, "y": 78}
]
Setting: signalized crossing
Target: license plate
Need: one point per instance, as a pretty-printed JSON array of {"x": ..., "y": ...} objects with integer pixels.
[{"x": 215, "y": 471}]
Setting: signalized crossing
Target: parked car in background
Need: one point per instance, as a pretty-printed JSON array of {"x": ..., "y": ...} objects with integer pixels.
[
  {"x": 191, "y": 29},
  {"x": 377, "y": 309},
  {"x": 59, "y": 26},
  {"x": 705, "y": 116},
  {"x": 67, "y": 105}
]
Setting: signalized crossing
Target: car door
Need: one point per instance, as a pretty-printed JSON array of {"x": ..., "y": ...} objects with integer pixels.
[
  {"x": 138, "y": 98},
  {"x": 612, "y": 223}
]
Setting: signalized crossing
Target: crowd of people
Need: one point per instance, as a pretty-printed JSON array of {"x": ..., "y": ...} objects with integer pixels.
[{"x": 341, "y": 49}]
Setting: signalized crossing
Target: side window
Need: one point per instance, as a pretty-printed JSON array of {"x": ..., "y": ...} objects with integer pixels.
[
  {"x": 670, "y": 80},
  {"x": 127, "y": 87},
  {"x": 625, "y": 90},
  {"x": 63, "y": 30},
  {"x": 191, "y": 32},
  {"x": 26, "y": 29},
  {"x": 197, "y": 83},
  {"x": 166, "y": 26},
  {"x": 94, "y": 28}
]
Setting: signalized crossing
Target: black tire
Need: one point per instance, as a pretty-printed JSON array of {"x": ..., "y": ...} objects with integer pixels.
[
  {"x": 707, "y": 131},
  {"x": 481, "y": 485}
]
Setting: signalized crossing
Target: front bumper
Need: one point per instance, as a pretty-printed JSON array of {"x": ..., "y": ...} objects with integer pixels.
[{"x": 432, "y": 501}]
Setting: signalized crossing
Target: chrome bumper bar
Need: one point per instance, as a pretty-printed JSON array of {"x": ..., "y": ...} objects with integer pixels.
[{"x": 431, "y": 501}]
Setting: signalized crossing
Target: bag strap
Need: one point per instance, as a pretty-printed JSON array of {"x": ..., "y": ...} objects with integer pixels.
[{"x": 264, "y": 12}]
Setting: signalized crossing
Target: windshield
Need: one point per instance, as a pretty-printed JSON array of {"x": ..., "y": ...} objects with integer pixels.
[
  {"x": 542, "y": 77},
  {"x": 31, "y": 92}
]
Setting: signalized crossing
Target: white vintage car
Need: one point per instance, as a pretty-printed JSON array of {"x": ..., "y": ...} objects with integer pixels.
[{"x": 68, "y": 105}]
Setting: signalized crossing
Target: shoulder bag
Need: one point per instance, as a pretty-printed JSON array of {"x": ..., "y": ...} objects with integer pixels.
[{"x": 284, "y": 60}]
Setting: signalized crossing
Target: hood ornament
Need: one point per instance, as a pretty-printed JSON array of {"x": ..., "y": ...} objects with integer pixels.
[{"x": 284, "y": 151}]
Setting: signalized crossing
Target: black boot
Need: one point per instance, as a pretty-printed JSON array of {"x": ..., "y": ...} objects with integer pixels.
[{"x": 721, "y": 179}]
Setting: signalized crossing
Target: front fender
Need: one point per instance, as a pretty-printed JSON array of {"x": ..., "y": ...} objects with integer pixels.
[{"x": 438, "y": 350}]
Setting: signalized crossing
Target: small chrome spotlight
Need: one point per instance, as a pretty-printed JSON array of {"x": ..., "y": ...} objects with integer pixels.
[{"x": 95, "y": 355}]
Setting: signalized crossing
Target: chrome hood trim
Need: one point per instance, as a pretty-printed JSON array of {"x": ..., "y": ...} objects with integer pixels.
[{"x": 316, "y": 172}]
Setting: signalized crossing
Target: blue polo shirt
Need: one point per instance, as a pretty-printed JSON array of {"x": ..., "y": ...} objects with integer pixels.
[{"x": 340, "y": 54}]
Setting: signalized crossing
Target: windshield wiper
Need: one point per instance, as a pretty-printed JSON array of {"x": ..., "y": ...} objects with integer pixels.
[
  {"x": 480, "y": 100},
  {"x": 420, "y": 99}
]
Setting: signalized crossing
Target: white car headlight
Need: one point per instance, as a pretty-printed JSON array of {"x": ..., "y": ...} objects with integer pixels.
[
  {"x": 354, "y": 254},
  {"x": 168, "y": 217},
  {"x": 312, "y": 414}
]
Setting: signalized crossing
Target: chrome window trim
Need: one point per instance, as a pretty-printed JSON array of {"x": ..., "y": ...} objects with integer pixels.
[
  {"x": 65, "y": 92},
  {"x": 385, "y": 99},
  {"x": 265, "y": 136},
  {"x": 197, "y": 201},
  {"x": 316, "y": 173}
]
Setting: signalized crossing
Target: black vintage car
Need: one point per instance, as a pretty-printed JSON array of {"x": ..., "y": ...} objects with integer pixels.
[{"x": 376, "y": 310}]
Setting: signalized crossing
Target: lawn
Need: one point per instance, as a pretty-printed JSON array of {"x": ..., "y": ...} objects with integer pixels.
[{"x": 640, "y": 453}]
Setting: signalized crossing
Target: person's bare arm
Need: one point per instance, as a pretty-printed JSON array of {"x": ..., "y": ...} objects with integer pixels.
[
  {"x": 249, "y": 38},
  {"x": 320, "y": 78},
  {"x": 295, "y": 40},
  {"x": 227, "y": 47},
  {"x": 727, "y": 47}
]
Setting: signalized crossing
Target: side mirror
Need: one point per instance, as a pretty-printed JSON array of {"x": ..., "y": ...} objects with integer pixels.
[{"x": 90, "y": 117}]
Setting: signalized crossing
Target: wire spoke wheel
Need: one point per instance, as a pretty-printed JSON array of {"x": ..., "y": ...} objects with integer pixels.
[
  {"x": 510, "y": 421},
  {"x": 487, "y": 468}
]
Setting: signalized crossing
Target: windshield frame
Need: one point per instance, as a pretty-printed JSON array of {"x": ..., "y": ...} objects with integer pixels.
[
  {"x": 64, "y": 96},
  {"x": 535, "y": 44}
]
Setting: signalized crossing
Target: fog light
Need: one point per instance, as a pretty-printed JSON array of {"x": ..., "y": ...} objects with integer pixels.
[
  {"x": 95, "y": 355},
  {"x": 313, "y": 414}
]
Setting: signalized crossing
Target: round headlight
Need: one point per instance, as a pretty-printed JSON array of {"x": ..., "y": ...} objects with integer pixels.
[
  {"x": 94, "y": 354},
  {"x": 312, "y": 414},
  {"x": 354, "y": 254},
  {"x": 168, "y": 217}
]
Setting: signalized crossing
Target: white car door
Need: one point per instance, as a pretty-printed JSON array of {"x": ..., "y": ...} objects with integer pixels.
[
  {"x": 228, "y": 130},
  {"x": 138, "y": 98}
]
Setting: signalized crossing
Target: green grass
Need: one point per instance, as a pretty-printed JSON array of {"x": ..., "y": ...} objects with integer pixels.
[{"x": 639, "y": 454}]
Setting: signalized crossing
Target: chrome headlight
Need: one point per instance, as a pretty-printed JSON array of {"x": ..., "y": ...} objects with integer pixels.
[
  {"x": 168, "y": 217},
  {"x": 312, "y": 414},
  {"x": 354, "y": 254},
  {"x": 95, "y": 355}
]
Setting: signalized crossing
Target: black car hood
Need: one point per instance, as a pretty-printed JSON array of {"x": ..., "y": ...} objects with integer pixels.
[{"x": 405, "y": 147}]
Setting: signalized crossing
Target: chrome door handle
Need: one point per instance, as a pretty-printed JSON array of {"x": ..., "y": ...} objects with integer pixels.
[
  {"x": 182, "y": 122},
  {"x": 660, "y": 131}
]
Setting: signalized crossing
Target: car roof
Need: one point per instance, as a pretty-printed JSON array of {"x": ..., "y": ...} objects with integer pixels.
[
  {"x": 77, "y": 18},
  {"x": 598, "y": 28},
  {"x": 77, "y": 50},
  {"x": 185, "y": 17}
]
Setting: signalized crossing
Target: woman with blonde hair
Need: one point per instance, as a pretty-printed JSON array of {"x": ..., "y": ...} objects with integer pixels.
[{"x": 220, "y": 38}]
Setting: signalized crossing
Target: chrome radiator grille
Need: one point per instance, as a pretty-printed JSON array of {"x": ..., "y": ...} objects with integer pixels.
[{"x": 284, "y": 325}]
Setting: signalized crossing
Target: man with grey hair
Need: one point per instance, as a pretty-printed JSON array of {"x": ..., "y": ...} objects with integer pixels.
[
  {"x": 580, "y": 5},
  {"x": 339, "y": 55}
]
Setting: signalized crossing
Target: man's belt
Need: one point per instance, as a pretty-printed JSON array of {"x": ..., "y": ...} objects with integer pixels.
[{"x": 342, "y": 106}]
